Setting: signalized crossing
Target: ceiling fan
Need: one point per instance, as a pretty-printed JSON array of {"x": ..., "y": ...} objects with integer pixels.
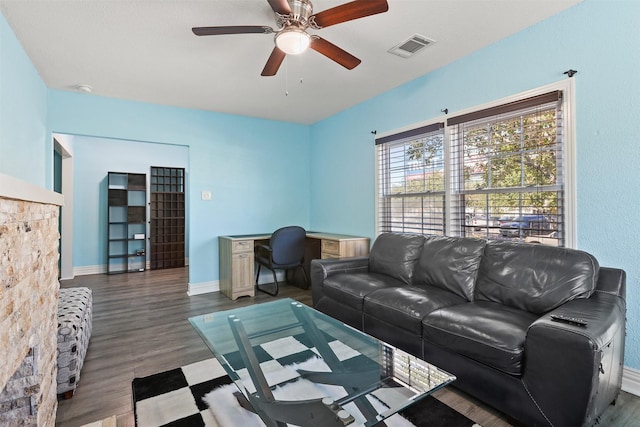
[{"x": 293, "y": 18}]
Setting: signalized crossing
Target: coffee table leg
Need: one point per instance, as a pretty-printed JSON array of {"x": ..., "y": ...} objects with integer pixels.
[
  {"x": 264, "y": 403},
  {"x": 330, "y": 358},
  {"x": 253, "y": 367}
]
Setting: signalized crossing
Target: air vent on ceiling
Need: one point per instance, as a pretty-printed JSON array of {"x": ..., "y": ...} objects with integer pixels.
[{"x": 411, "y": 46}]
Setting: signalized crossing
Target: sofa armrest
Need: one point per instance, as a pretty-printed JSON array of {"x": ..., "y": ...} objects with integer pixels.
[
  {"x": 612, "y": 280},
  {"x": 574, "y": 372},
  {"x": 323, "y": 268}
]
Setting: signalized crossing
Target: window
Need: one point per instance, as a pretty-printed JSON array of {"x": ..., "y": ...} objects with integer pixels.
[
  {"x": 495, "y": 173},
  {"x": 411, "y": 181}
]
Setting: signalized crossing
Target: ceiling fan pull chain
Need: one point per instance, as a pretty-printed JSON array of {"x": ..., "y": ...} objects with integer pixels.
[
  {"x": 286, "y": 76},
  {"x": 300, "y": 67}
]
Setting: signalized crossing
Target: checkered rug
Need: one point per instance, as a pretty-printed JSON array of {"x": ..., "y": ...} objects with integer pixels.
[{"x": 184, "y": 397}]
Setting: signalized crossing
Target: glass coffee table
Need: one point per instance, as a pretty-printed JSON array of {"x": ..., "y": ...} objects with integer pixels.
[{"x": 295, "y": 365}]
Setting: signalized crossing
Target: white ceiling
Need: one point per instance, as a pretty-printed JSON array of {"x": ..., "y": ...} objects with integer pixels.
[{"x": 144, "y": 50}]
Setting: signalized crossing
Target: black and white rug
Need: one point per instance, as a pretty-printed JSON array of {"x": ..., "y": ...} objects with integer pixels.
[
  {"x": 181, "y": 398},
  {"x": 201, "y": 394}
]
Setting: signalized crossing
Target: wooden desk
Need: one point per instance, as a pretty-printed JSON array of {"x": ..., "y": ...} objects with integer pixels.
[{"x": 237, "y": 261}]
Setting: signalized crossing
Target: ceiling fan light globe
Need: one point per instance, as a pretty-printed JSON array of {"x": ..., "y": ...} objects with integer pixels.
[{"x": 293, "y": 41}]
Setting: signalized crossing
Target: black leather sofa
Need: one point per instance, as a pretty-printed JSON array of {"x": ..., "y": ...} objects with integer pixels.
[{"x": 482, "y": 310}]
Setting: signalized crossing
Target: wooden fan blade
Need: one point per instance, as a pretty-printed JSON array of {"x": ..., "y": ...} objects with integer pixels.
[
  {"x": 280, "y": 6},
  {"x": 334, "y": 53},
  {"x": 235, "y": 29},
  {"x": 350, "y": 11},
  {"x": 274, "y": 62}
]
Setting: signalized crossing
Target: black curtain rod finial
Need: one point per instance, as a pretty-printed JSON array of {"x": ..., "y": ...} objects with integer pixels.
[
  {"x": 570, "y": 73},
  {"x": 445, "y": 110},
  {"x": 374, "y": 132}
]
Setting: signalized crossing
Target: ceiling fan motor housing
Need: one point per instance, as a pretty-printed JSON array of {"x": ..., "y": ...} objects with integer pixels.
[{"x": 301, "y": 10}]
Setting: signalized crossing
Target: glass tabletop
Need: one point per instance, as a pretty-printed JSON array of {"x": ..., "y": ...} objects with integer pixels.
[{"x": 297, "y": 366}]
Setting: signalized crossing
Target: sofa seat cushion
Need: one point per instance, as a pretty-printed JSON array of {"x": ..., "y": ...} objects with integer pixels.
[
  {"x": 484, "y": 331},
  {"x": 406, "y": 306},
  {"x": 350, "y": 289}
]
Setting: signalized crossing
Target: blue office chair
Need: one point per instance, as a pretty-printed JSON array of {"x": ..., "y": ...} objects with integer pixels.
[{"x": 285, "y": 251}]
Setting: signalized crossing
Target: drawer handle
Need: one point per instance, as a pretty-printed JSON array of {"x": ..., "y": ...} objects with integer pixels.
[
  {"x": 243, "y": 256},
  {"x": 243, "y": 243}
]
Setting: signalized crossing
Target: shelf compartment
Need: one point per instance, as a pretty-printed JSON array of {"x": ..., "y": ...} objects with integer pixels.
[
  {"x": 137, "y": 198},
  {"x": 117, "y": 197},
  {"x": 137, "y": 263},
  {"x": 137, "y": 214},
  {"x": 117, "y": 264},
  {"x": 117, "y": 248},
  {"x": 137, "y": 181},
  {"x": 118, "y": 180},
  {"x": 117, "y": 214},
  {"x": 117, "y": 231}
]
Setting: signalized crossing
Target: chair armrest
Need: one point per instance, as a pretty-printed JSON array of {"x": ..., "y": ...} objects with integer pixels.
[
  {"x": 574, "y": 372},
  {"x": 323, "y": 268}
]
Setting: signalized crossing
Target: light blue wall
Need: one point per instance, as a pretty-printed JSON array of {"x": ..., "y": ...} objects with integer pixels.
[
  {"x": 257, "y": 170},
  {"x": 93, "y": 158},
  {"x": 600, "y": 39},
  {"x": 24, "y": 148}
]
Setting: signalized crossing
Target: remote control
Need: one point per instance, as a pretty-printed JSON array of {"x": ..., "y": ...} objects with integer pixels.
[{"x": 568, "y": 319}]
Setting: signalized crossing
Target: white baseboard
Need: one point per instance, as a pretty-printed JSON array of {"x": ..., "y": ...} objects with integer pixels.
[
  {"x": 101, "y": 269},
  {"x": 203, "y": 288},
  {"x": 631, "y": 381},
  {"x": 214, "y": 286},
  {"x": 89, "y": 269}
]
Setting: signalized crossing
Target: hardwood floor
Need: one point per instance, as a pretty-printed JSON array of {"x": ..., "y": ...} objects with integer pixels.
[{"x": 140, "y": 328}]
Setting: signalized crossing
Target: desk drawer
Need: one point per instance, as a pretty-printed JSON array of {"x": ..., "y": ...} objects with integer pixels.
[
  {"x": 238, "y": 246},
  {"x": 331, "y": 247},
  {"x": 326, "y": 255}
]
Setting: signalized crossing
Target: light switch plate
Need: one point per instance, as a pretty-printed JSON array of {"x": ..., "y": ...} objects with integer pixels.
[{"x": 206, "y": 195}]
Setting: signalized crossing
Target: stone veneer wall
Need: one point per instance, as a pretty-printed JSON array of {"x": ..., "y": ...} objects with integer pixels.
[{"x": 29, "y": 296}]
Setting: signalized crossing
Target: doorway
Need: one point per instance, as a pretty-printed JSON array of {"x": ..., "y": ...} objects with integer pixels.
[{"x": 63, "y": 184}]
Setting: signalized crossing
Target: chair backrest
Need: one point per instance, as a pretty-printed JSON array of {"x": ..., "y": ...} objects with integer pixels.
[{"x": 287, "y": 244}]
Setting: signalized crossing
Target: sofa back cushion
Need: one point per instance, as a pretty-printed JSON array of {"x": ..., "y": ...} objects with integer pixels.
[
  {"x": 450, "y": 263},
  {"x": 535, "y": 278},
  {"x": 395, "y": 255}
]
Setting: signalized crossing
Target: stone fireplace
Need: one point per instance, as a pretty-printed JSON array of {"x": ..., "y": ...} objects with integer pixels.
[
  {"x": 28, "y": 303},
  {"x": 19, "y": 398}
]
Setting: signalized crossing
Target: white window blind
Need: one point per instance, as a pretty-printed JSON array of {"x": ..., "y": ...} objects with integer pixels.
[
  {"x": 507, "y": 171},
  {"x": 411, "y": 181}
]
